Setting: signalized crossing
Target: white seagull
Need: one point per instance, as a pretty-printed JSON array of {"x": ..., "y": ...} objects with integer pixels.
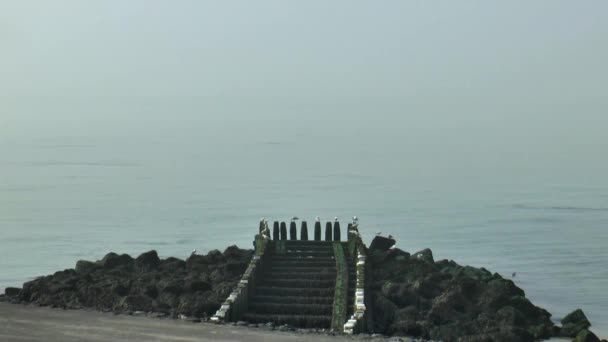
[
  {"x": 336, "y": 218},
  {"x": 295, "y": 218},
  {"x": 317, "y": 219}
]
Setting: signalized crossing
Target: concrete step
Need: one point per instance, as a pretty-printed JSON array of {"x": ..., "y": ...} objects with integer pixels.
[
  {"x": 290, "y": 309},
  {"x": 301, "y": 275},
  {"x": 303, "y": 263},
  {"x": 293, "y": 300},
  {"x": 304, "y": 255},
  {"x": 294, "y": 291},
  {"x": 309, "y": 243},
  {"x": 301, "y": 283},
  {"x": 320, "y": 270},
  {"x": 301, "y": 321}
]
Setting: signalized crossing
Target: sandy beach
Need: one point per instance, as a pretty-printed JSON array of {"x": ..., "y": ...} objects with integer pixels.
[{"x": 31, "y": 323}]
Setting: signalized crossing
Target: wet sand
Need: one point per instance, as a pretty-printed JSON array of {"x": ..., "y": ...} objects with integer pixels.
[{"x": 31, "y": 323}]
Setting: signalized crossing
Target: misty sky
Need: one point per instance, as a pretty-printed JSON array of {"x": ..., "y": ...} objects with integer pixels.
[{"x": 502, "y": 80}]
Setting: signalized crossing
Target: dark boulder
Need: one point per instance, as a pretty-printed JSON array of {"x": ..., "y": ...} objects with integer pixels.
[
  {"x": 85, "y": 267},
  {"x": 172, "y": 264},
  {"x": 424, "y": 255},
  {"x": 586, "y": 336},
  {"x": 381, "y": 244},
  {"x": 12, "y": 291},
  {"x": 113, "y": 260},
  {"x": 148, "y": 261},
  {"x": 198, "y": 285},
  {"x": 415, "y": 296},
  {"x": 574, "y": 322},
  {"x": 121, "y": 284}
]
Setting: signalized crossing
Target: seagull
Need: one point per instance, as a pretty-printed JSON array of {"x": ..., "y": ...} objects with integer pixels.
[
  {"x": 317, "y": 219},
  {"x": 514, "y": 274},
  {"x": 194, "y": 252},
  {"x": 295, "y": 218},
  {"x": 355, "y": 219},
  {"x": 336, "y": 218}
]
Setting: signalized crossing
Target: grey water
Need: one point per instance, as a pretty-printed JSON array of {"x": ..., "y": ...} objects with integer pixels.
[{"x": 172, "y": 181}]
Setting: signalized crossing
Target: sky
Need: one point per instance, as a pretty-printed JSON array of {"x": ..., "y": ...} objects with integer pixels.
[{"x": 519, "y": 81}]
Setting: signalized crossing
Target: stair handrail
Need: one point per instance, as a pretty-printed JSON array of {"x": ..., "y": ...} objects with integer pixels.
[
  {"x": 237, "y": 302},
  {"x": 356, "y": 323}
]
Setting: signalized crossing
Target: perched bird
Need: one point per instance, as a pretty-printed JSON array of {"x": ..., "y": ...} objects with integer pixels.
[
  {"x": 317, "y": 219},
  {"x": 193, "y": 252},
  {"x": 378, "y": 233},
  {"x": 514, "y": 274},
  {"x": 390, "y": 236},
  {"x": 295, "y": 218},
  {"x": 336, "y": 218},
  {"x": 355, "y": 219}
]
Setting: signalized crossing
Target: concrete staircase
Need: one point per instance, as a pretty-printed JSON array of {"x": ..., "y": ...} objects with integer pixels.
[{"x": 297, "y": 286}]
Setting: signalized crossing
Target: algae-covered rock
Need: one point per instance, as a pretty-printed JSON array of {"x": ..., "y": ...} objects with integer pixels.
[
  {"x": 445, "y": 301},
  {"x": 586, "y": 336},
  {"x": 85, "y": 267},
  {"x": 381, "y": 244},
  {"x": 424, "y": 255},
  {"x": 574, "y": 322},
  {"x": 122, "y": 284}
]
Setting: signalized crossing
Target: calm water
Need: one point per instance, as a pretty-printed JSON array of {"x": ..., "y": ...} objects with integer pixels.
[{"x": 77, "y": 193}]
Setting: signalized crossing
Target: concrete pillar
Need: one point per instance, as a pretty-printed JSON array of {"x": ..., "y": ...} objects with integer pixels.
[
  {"x": 317, "y": 231},
  {"x": 283, "y": 231},
  {"x": 328, "y": 229},
  {"x": 275, "y": 230},
  {"x": 304, "y": 231},
  {"x": 293, "y": 231},
  {"x": 337, "y": 231}
]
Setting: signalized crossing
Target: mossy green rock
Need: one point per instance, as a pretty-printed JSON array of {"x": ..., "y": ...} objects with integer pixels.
[
  {"x": 586, "y": 336},
  {"x": 84, "y": 266},
  {"x": 574, "y": 322},
  {"x": 424, "y": 255}
]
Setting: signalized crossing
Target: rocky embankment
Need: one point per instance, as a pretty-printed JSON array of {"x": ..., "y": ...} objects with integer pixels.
[
  {"x": 122, "y": 284},
  {"x": 414, "y": 295},
  {"x": 411, "y": 294}
]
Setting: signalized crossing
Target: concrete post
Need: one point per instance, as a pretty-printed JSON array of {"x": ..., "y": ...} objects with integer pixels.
[
  {"x": 304, "y": 231},
  {"x": 283, "y": 231},
  {"x": 293, "y": 231},
  {"x": 328, "y": 229},
  {"x": 275, "y": 230},
  {"x": 317, "y": 231},
  {"x": 337, "y": 231}
]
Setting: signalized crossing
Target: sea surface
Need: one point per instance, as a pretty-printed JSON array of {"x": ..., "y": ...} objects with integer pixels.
[{"x": 79, "y": 188}]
